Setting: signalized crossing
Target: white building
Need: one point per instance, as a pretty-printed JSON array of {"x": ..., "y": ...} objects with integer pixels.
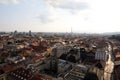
[{"x": 101, "y": 55}]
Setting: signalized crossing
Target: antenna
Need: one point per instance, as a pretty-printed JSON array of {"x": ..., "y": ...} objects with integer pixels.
[{"x": 71, "y": 30}]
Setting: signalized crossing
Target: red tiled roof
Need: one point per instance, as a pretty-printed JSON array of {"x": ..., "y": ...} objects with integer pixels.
[
  {"x": 20, "y": 74},
  {"x": 37, "y": 58},
  {"x": 40, "y": 77},
  {"x": 103, "y": 63},
  {"x": 8, "y": 68}
]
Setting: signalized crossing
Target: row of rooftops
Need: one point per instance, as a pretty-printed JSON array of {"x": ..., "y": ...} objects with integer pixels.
[
  {"x": 37, "y": 49},
  {"x": 26, "y": 74}
]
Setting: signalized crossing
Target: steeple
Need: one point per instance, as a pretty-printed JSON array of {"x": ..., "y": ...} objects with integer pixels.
[{"x": 71, "y": 30}]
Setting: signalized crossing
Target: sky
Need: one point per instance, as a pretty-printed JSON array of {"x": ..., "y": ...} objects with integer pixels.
[{"x": 83, "y": 16}]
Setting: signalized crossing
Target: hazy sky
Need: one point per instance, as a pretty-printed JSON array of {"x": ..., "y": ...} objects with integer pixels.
[{"x": 60, "y": 15}]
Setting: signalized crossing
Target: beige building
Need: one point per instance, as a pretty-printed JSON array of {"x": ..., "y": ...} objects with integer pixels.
[{"x": 3, "y": 76}]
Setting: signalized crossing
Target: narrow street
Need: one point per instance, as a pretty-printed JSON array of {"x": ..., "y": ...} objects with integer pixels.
[{"x": 109, "y": 64}]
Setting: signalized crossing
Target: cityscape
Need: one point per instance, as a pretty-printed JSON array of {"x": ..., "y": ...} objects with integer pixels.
[
  {"x": 59, "y": 40},
  {"x": 59, "y": 56}
]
